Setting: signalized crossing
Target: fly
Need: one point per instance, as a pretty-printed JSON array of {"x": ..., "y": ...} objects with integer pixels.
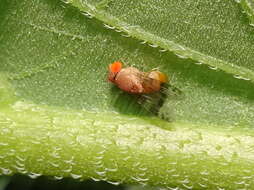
[
  {"x": 134, "y": 81},
  {"x": 150, "y": 87}
]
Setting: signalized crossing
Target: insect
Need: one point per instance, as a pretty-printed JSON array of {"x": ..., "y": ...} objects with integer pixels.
[
  {"x": 149, "y": 89},
  {"x": 134, "y": 81}
]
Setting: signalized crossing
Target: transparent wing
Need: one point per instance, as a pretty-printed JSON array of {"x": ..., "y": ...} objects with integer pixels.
[
  {"x": 146, "y": 104},
  {"x": 154, "y": 101}
]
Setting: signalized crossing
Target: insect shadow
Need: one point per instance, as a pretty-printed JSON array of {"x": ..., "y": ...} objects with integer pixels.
[{"x": 147, "y": 105}]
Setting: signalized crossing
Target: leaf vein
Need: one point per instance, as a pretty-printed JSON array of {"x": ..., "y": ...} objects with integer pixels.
[{"x": 54, "y": 30}]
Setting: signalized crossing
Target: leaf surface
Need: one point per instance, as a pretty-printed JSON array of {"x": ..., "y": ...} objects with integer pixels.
[
  {"x": 248, "y": 7},
  {"x": 59, "y": 116},
  {"x": 215, "y": 33}
]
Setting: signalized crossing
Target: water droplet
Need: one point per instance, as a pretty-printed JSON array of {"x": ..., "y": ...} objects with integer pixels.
[
  {"x": 162, "y": 50},
  {"x": 198, "y": 63},
  {"x": 143, "y": 42}
]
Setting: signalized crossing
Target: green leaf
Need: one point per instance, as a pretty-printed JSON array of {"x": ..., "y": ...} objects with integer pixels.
[
  {"x": 214, "y": 33},
  {"x": 248, "y": 7},
  {"x": 60, "y": 117}
]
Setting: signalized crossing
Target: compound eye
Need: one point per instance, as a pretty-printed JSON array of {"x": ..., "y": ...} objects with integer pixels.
[{"x": 115, "y": 67}]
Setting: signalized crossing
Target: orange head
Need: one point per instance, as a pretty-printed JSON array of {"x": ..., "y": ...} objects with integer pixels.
[{"x": 114, "y": 68}]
